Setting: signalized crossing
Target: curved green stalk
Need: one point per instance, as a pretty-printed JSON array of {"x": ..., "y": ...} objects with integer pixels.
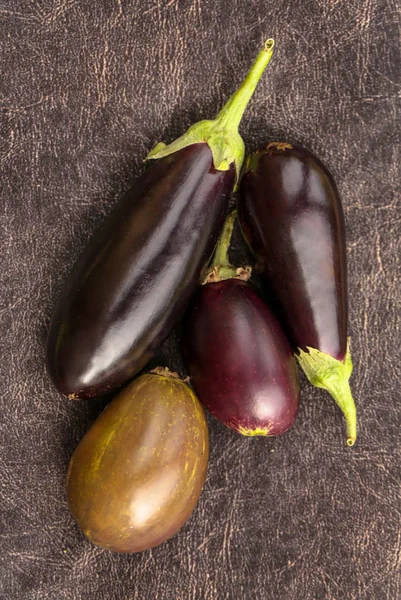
[
  {"x": 221, "y": 134},
  {"x": 324, "y": 371},
  {"x": 220, "y": 267},
  {"x": 220, "y": 256}
]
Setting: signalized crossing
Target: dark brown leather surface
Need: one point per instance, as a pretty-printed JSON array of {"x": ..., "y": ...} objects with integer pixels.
[{"x": 87, "y": 88}]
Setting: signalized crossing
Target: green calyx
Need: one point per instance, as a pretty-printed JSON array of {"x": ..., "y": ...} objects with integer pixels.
[
  {"x": 324, "y": 371},
  {"x": 220, "y": 268},
  {"x": 221, "y": 134}
]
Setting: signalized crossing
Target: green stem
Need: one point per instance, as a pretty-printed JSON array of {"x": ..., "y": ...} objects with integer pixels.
[
  {"x": 220, "y": 257},
  {"x": 341, "y": 393},
  {"x": 221, "y": 134},
  {"x": 231, "y": 114},
  {"x": 328, "y": 373},
  {"x": 220, "y": 268}
]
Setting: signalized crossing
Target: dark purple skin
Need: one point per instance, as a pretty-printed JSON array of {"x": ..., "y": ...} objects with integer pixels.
[
  {"x": 134, "y": 280},
  {"x": 239, "y": 360},
  {"x": 291, "y": 216}
]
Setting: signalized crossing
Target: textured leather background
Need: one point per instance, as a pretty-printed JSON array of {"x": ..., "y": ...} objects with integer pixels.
[{"x": 87, "y": 88}]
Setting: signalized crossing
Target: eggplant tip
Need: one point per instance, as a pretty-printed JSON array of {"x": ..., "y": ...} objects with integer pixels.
[
  {"x": 269, "y": 44},
  {"x": 248, "y": 432}
]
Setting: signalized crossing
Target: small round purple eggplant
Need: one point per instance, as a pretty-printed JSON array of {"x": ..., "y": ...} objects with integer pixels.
[
  {"x": 238, "y": 358},
  {"x": 135, "y": 279},
  {"x": 291, "y": 216}
]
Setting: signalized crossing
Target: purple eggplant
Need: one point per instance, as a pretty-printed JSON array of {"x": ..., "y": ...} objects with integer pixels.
[
  {"x": 238, "y": 358},
  {"x": 134, "y": 280},
  {"x": 291, "y": 216}
]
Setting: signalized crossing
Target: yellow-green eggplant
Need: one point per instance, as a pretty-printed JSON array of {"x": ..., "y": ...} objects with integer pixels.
[{"x": 136, "y": 475}]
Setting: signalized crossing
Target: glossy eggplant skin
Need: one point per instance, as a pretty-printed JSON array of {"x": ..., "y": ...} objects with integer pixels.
[
  {"x": 239, "y": 360},
  {"x": 291, "y": 216},
  {"x": 136, "y": 475},
  {"x": 134, "y": 280}
]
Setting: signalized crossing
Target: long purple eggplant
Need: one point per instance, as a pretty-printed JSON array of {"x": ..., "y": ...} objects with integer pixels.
[
  {"x": 291, "y": 216},
  {"x": 238, "y": 357},
  {"x": 135, "y": 278}
]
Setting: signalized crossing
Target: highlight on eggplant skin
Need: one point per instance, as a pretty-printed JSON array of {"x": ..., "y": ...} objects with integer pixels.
[
  {"x": 291, "y": 216},
  {"x": 134, "y": 280}
]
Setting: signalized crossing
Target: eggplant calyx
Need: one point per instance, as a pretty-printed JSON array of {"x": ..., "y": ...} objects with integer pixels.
[
  {"x": 165, "y": 372},
  {"x": 328, "y": 373},
  {"x": 221, "y": 134},
  {"x": 221, "y": 273},
  {"x": 278, "y": 147}
]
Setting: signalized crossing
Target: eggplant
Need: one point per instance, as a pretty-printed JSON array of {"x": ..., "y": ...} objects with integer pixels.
[
  {"x": 291, "y": 216},
  {"x": 136, "y": 276},
  {"x": 236, "y": 353},
  {"x": 136, "y": 475}
]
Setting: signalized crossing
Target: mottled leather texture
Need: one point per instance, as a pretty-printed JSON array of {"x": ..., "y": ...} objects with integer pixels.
[{"x": 87, "y": 88}]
